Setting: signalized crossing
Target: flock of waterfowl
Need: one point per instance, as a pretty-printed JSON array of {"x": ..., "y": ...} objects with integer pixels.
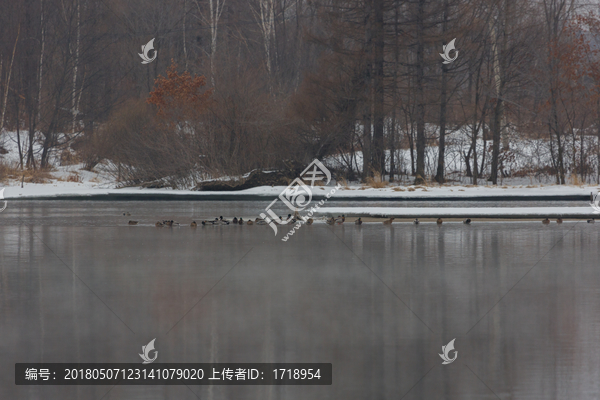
[
  {"x": 222, "y": 221},
  {"x": 296, "y": 218}
]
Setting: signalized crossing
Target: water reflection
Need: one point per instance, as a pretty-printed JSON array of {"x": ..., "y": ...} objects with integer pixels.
[{"x": 521, "y": 299}]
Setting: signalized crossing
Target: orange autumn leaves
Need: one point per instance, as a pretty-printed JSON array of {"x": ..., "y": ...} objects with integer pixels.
[{"x": 179, "y": 97}]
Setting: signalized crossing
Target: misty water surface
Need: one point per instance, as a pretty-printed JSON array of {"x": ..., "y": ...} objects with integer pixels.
[{"x": 378, "y": 302}]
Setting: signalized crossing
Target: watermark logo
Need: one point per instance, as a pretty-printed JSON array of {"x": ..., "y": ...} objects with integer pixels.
[
  {"x": 146, "y": 352},
  {"x": 594, "y": 203},
  {"x": 446, "y": 52},
  {"x": 2, "y": 198},
  {"x": 146, "y": 49},
  {"x": 446, "y": 350},
  {"x": 298, "y": 195}
]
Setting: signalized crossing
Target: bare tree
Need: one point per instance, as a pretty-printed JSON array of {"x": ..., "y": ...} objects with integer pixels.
[
  {"x": 12, "y": 59},
  {"x": 420, "y": 88},
  {"x": 378, "y": 87},
  {"x": 74, "y": 110},
  {"x": 265, "y": 17},
  {"x": 556, "y": 13},
  {"x": 439, "y": 176},
  {"x": 215, "y": 9}
]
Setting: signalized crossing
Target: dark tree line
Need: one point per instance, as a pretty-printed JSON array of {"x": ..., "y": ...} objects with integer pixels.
[{"x": 361, "y": 80}]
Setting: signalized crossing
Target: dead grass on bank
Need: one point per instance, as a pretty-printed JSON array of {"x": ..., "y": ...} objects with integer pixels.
[
  {"x": 343, "y": 182},
  {"x": 4, "y": 172},
  {"x": 72, "y": 177},
  {"x": 36, "y": 176},
  {"x": 27, "y": 175},
  {"x": 376, "y": 182},
  {"x": 575, "y": 180}
]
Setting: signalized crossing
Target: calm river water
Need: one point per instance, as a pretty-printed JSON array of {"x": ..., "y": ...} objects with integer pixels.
[{"x": 521, "y": 299}]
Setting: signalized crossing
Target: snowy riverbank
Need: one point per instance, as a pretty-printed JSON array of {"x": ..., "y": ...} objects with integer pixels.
[{"x": 90, "y": 190}]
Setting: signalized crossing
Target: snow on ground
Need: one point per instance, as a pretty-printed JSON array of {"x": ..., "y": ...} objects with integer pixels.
[
  {"x": 63, "y": 178},
  {"x": 528, "y": 159},
  {"x": 63, "y": 189},
  {"x": 90, "y": 184}
]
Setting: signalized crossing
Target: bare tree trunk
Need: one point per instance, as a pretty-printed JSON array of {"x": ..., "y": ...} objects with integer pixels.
[
  {"x": 80, "y": 90},
  {"x": 41, "y": 66},
  {"x": 468, "y": 172},
  {"x": 368, "y": 89},
  {"x": 498, "y": 107},
  {"x": 50, "y": 136},
  {"x": 581, "y": 153},
  {"x": 560, "y": 164},
  {"x": 19, "y": 147},
  {"x": 297, "y": 40},
  {"x": 378, "y": 86},
  {"x": 411, "y": 145},
  {"x": 215, "y": 8},
  {"x": 496, "y": 128},
  {"x": 420, "y": 66},
  {"x": 366, "y": 146},
  {"x": 484, "y": 138},
  {"x": 598, "y": 142},
  {"x": 30, "y": 158},
  {"x": 8, "y": 79},
  {"x": 74, "y": 110},
  {"x": 266, "y": 20},
  {"x": 184, "y": 41},
  {"x": 475, "y": 171},
  {"x": 395, "y": 96},
  {"x": 393, "y": 146},
  {"x": 477, "y": 125},
  {"x": 439, "y": 176}
]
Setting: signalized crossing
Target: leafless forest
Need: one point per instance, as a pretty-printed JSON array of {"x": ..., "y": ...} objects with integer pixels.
[{"x": 243, "y": 84}]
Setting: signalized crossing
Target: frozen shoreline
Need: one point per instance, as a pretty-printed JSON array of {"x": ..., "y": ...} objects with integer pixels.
[{"x": 86, "y": 191}]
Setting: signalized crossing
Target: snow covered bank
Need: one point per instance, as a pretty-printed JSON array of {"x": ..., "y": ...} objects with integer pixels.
[
  {"x": 72, "y": 182},
  {"x": 527, "y": 159},
  {"x": 90, "y": 190}
]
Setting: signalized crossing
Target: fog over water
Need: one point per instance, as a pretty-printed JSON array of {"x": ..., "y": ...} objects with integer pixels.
[{"x": 378, "y": 302}]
